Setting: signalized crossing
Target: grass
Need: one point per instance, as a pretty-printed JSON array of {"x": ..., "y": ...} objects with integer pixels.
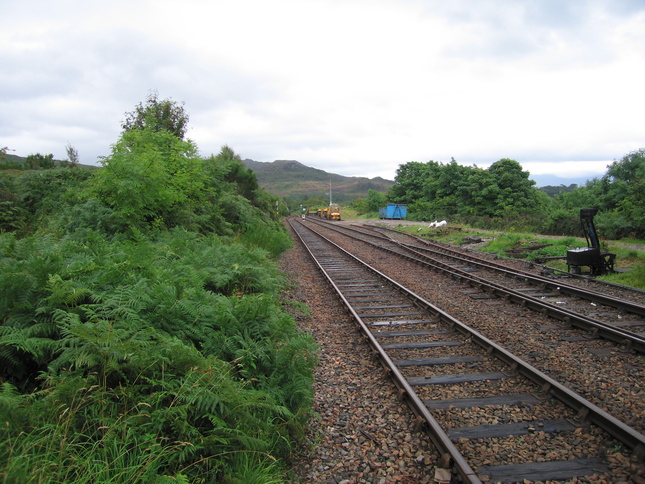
[{"x": 350, "y": 214}]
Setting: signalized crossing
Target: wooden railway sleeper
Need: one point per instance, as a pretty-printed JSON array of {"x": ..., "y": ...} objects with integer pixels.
[
  {"x": 639, "y": 452},
  {"x": 401, "y": 394},
  {"x": 514, "y": 369},
  {"x": 545, "y": 390},
  {"x": 581, "y": 417},
  {"x": 419, "y": 423}
]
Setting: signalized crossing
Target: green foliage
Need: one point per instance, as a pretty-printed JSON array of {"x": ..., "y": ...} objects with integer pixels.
[
  {"x": 375, "y": 200},
  {"x": 503, "y": 197},
  {"x": 626, "y": 191},
  {"x": 435, "y": 190},
  {"x": 29, "y": 197},
  {"x": 11, "y": 164},
  {"x": 235, "y": 172},
  {"x": 11, "y": 216},
  {"x": 157, "y": 115},
  {"x": 186, "y": 327},
  {"x": 181, "y": 417},
  {"x": 72, "y": 155},
  {"x": 563, "y": 222},
  {"x": 142, "y": 336},
  {"x": 359, "y": 205},
  {"x": 151, "y": 179},
  {"x": 619, "y": 195},
  {"x": 553, "y": 191},
  {"x": 266, "y": 236},
  {"x": 38, "y": 161}
]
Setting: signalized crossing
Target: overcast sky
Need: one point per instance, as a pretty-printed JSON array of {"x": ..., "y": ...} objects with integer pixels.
[{"x": 353, "y": 87}]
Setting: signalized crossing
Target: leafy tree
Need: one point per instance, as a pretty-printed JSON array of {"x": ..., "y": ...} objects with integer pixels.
[
  {"x": 158, "y": 114},
  {"x": 410, "y": 182},
  {"x": 162, "y": 356},
  {"x": 375, "y": 200},
  {"x": 151, "y": 178},
  {"x": 479, "y": 194},
  {"x": 623, "y": 179},
  {"x": 360, "y": 205},
  {"x": 448, "y": 183},
  {"x": 624, "y": 193},
  {"x": 38, "y": 161},
  {"x": 72, "y": 154},
  {"x": 516, "y": 189},
  {"x": 552, "y": 190},
  {"x": 585, "y": 196},
  {"x": 619, "y": 194},
  {"x": 236, "y": 173},
  {"x": 437, "y": 190}
]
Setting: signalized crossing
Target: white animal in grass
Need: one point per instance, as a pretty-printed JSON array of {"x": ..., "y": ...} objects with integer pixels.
[{"x": 435, "y": 224}]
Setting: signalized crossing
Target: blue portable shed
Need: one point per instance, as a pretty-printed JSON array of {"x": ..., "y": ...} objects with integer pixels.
[{"x": 394, "y": 211}]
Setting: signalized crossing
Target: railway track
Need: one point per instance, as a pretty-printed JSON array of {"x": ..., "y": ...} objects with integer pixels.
[
  {"x": 464, "y": 388},
  {"x": 556, "y": 281},
  {"x": 615, "y": 319}
]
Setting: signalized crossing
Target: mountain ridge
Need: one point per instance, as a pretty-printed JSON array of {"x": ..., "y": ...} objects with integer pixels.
[{"x": 292, "y": 179}]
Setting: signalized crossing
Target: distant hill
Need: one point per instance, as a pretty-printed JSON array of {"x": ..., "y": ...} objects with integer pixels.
[
  {"x": 552, "y": 180},
  {"x": 289, "y": 178},
  {"x": 15, "y": 161}
]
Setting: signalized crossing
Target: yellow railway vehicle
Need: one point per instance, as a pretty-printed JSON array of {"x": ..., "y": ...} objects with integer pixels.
[
  {"x": 334, "y": 212},
  {"x": 330, "y": 213}
]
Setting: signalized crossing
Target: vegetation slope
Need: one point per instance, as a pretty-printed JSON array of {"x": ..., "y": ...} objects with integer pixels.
[{"x": 142, "y": 332}]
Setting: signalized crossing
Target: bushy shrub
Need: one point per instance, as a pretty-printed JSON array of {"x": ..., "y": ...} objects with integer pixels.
[
  {"x": 563, "y": 222},
  {"x": 142, "y": 337},
  {"x": 181, "y": 337}
]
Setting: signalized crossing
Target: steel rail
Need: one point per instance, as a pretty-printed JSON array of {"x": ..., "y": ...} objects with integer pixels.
[
  {"x": 586, "y": 410},
  {"x": 629, "y": 339},
  {"x": 438, "y": 436},
  {"x": 563, "y": 287}
]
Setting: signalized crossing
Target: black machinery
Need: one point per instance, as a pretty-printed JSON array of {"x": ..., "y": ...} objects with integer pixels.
[{"x": 598, "y": 262}]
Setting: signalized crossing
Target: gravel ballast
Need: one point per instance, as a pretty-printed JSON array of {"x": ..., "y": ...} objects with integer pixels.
[{"x": 363, "y": 434}]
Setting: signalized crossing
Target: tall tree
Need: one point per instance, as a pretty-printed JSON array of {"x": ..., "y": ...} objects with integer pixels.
[
  {"x": 72, "y": 154},
  {"x": 516, "y": 191},
  {"x": 158, "y": 114},
  {"x": 624, "y": 192},
  {"x": 36, "y": 161},
  {"x": 235, "y": 172},
  {"x": 375, "y": 200},
  {"x": 410, "y": 182},
  {"x": 151, "y": 177}
]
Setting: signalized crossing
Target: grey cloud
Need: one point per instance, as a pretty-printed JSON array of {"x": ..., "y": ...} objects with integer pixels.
[{"x": 510, "y": 30}]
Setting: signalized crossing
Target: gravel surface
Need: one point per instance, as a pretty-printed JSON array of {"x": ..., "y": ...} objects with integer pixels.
[{"x": 362, "y": 433}]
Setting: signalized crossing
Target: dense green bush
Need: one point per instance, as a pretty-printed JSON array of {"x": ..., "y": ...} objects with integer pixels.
[
  {"x": 136, "y": 318},
  {"x": 562, "y": 222},
  {"x": 142, "y": 334},
  {"x": 503, "y": 197},
  {"x": 436, "y": 191}
]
